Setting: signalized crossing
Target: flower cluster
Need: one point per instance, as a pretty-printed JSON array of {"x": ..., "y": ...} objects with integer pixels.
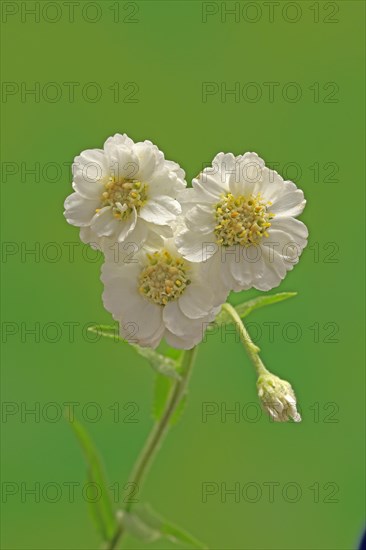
[{"x": 182, "y": 250}]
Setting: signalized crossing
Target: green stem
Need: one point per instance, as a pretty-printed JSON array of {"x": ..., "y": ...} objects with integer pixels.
[
  {"x": 251, "y": 349},
  {"x": 157, "y": 434}
]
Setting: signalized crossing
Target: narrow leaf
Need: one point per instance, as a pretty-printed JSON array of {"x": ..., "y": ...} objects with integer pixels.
[
  {"x": 107, "y": 331},
  {"x": 179, "y": 411},
  {"x": 162, "y": 389},
  {"x": 144, "y": 522},
  {"x": 176, "y": 534},
  {"x": 160, "y": 363},
  {"x": 102, "y": 509},
  {"x": 139, "y": 528},
  {"x": 246, "y": 308}
]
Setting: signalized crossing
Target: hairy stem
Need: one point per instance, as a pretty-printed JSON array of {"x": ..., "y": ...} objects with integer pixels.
[
  {"x": 251, "y": 349},
  {"x": 156, "y": 436}
]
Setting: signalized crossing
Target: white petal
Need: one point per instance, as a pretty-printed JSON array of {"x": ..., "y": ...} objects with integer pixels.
[
  {"x": 147, "y": 159},
  {"x": 176, "y": 321},
  {"x": 267, "y": 274},
  {"x": 178, "y": 172},
  {"x": 224, "y": 168},
  {"x": 90, "y": 171},
  {"x": 271, "y": 185},
  {"x": 140, "y": 320},
  {"x": 162, "y": 210},
  {"x": 188, "y": 197},
  {"x": 153, "y": 340},
  {"x": 123, "y": 163},
  {"x": 242, "y": 274},
  {"x": 196, "y": 247},
  {"x": 201, "y": 219},
  {"x": 212, "y": 274},
  {"x": 88, "y": 236},
  {"x": 183, "y": 342},
  {"x": 282, "y": 244},
  {"x": 290, "y": 202},
  {"x": 165, "y": 182},
  {"x": 139, "y": 233},
  {"x": 226, "y": 276},
  {"x": 143, "y": 324},
  {"x": 207, "y": 188},
  {"x": 165, "y": 231},
  {"x": 248, "y": 175},
  {"x": 295, "y": 230},
  {"x": 104, "y": 223},
  {"x": 196, "y": 301},
  {"x": 79, "y": 211},
  {"x": 127, "y": 226},
  {"x": 120, "y": 288},
  {"x": 275, "y": 271},
  {"x": 119, "y": 139}
]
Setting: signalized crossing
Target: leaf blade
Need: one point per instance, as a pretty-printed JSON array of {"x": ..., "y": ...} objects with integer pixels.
[
  {"x": 102, "y": 510},
  {"x": 160, "y": 363},
  {"x": 162, "y": 389},
  {"x": 245, "y": 308},
  {"x": 145, "y": 520}
]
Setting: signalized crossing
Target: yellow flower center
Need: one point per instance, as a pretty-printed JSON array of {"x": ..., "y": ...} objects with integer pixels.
[
  {"x": 164, "y": 279},
  {"x": 124, "y": 195},
  {"x": 242, "y": 220}
]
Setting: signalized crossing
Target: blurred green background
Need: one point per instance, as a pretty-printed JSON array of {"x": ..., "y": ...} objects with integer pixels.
[{"x": 161, "y": 54}]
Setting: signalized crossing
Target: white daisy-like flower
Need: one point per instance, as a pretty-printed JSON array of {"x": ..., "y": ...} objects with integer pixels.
[
  {"x": 277, "y": 398},
  {"x": 157, "y": 294},
  {"x": 240, "y": 219},
  {"x": 124, "y": 191}
]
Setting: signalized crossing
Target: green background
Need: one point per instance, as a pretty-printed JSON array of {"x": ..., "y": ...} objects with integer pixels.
[{"x": 169, "y": 52}]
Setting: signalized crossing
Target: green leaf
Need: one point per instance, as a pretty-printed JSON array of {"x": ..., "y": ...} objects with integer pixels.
[
  {"x": 101, "y": 510},
  {"x": 107, "y": 331},
  {"x": 160, "y": 363},
  {"x": 162, "y": 388},
  {"x": 168, "y": 351},
  {"x": 179, "y": 411},
  {"x": 138, "y": 528},
  {"x": 146, "y": 524},
  {"x": 246, "y": 308}
]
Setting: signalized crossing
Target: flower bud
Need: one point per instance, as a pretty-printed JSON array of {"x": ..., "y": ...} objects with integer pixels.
[{"x": 278, "y": 398}]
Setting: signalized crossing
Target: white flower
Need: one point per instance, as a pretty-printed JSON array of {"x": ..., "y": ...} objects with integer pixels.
[
  {"x": 240, "y": 218},
  {"x": 157, "y": 294},
  {"x": 125, "y": 191},
  {"x": 278, "y": 398}
]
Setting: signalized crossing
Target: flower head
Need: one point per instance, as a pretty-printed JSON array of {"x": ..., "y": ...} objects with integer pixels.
[
  {"x": 124, "y": 191},
  {"x": 278, "y": 398},
  {"x": 158, "y": 294},
  {"x": 240, "y": 218}
]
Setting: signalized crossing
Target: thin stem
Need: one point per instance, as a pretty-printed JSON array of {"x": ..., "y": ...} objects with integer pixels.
[
  {"x": 251, "y": 349},
  {"x": 157, "y": 434}
]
